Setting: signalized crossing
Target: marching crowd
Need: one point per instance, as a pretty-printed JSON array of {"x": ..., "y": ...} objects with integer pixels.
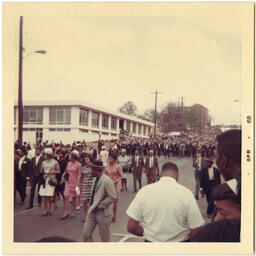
[{"x": 164, "y": 210}]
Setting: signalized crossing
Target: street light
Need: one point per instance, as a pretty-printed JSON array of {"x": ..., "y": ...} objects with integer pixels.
[{"x": 20, "y": 106}]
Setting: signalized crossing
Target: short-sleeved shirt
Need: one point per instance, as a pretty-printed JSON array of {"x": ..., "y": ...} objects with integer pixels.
[{"x": 166, "y": 210}]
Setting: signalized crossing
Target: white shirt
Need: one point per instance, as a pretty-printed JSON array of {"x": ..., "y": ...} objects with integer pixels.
[
  {"x": 211, "y": 173},
  {"x": 37, "y": 158},
  {"x": 20, "y": 162},
  {"x": 104, "y": 157},
  {"x": 200, "y": 163},
  {"x": 166, "y": 210},
  {"x": 137, "y": 161},
  {"x": 151, "y": 162}
]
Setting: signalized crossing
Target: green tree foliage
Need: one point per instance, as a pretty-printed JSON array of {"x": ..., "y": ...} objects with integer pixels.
[{"x": 129, "y": 108}]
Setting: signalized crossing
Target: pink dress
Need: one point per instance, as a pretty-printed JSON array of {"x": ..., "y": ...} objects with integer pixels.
[
  {"x": 70, "y": 185},
  {"x": 114, "y": 172}
]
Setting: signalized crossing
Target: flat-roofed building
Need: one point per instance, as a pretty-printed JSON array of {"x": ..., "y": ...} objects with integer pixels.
[{"x": 69, "y": 121}]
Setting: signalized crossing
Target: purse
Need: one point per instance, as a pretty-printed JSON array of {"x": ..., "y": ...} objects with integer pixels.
[
  {"x": 66, "y": 176},
  {"x": 53, "y": 181}
]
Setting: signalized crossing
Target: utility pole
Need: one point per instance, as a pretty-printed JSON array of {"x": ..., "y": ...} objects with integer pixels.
[
  {"x": 156, "y": 92},
  {"x": 20, "y": 105},
  {"x": 182, "y": 113}
]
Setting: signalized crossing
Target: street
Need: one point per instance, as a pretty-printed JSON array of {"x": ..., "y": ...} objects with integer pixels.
[{"x": 30, "y": 226}]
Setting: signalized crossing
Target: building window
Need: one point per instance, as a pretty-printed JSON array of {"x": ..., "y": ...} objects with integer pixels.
[
  {"x": 105, "y": 133},
  {"x": 60, "y": 129},
  {"x": 105, "y": 121},
  {"x": 113, "y": 123},
  {"x": 139, "y": 129},
  {"x": 144, "y": 129},
  {"x": 113, "y": 134},
  {"x": 33, "y": 115},
  {"x": 84, "y": 130},
  {"x": 60, "y": 115},
  {"x": 149, "y": 130},
  {"x": 134, "y": 127},
  {"x": 128, "y": 125},
  {"x": 84, "y": 117},
  {"x": 95, "y": 119},
  {"x": 95, "y": 132}
]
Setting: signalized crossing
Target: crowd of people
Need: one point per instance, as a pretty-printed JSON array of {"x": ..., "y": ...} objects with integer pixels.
[{"x": 91, "y": 178}]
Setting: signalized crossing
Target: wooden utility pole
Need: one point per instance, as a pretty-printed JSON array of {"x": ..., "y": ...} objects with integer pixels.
[
  {"x": 156, "y": 92},
  {"x": 20, "y": 105}
]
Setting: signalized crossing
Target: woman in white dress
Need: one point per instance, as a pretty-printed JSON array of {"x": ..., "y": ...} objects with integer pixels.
[{"x": 50, "y": 167}]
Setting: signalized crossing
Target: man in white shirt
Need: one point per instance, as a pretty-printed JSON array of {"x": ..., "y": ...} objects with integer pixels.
[{"x": 164, "y": 211}]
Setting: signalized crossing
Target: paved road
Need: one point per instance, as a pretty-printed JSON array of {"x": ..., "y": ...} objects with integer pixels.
[{"x": 30, "y": 226}]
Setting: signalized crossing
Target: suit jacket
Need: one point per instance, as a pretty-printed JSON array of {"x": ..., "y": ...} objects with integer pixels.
[
  {"x": 35, "y": 168},
  {"x": 25, "y": 167},
  {"x": 203, "y": 163},
  {"x": 140, "y": 164},
  {"x": 205, "y": 183},
  {"x": 104, "y": 196},
  {"x": 155, "y": 164}
]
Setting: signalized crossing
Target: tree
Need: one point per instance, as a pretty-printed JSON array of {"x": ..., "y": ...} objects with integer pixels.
[
  {"x": 129, "y": 108},
  {"x": 149, "y": 115}
]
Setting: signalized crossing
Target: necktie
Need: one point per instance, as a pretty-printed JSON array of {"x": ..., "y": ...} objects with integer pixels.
[{"x": 94, "y": 189}]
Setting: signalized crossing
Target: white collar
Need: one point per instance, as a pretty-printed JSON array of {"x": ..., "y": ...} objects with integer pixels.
[
  {"x": 167, "y": 178},
  {"x": 233, "y": 185}
]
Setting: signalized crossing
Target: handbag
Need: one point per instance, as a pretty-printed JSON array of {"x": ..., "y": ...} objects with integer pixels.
[
  {"x": 125, "y": 169},
  {"x": 53, "y": 181},
  {"x": 66, "y": 176}
]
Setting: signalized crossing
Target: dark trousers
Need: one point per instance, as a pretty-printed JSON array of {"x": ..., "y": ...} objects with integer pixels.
[
  {"x": 136, "y": 177},
  {"x": 34, "y": 182},
  {"x": 21, "y": 188},
  {"x": 210, "y": 202}
]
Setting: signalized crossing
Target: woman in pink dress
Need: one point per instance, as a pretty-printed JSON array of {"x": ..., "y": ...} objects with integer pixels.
[
  {"x": 73, "y": 170},
  {"x": 113, "y": 170}
]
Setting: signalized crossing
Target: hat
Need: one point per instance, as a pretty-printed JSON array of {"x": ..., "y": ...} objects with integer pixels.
[
  {"x": 103, "y": 147},
  {"x": 48, "y": 151},
  {"x": 75, "y": 152},
  {"x": 151, "y": 151},
  {"x": 123, "y": 150},
  {"x": 97, "y": 165}
]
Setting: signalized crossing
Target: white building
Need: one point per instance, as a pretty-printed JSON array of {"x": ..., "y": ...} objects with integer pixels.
[{"x": 69, "y": 121}]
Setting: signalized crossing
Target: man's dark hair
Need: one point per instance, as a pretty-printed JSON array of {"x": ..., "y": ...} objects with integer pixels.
[
  {"x": 229, "y": 144},
  {"x": 170, "y": 166},
  {"x": 113, "y": 155},
  {"x": 223, "y": 191},
  {"x": 54, "y": 239},
  {"x": 219, "y": 231}
]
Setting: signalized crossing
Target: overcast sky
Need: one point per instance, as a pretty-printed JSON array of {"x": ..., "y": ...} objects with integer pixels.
[{"x": 110, "y": 60}]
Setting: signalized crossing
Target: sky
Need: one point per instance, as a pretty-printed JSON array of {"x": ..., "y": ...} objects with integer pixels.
[{"x": 110, "y": 60}]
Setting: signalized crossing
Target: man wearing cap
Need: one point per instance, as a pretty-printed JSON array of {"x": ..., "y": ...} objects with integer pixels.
[
  {"x": 210, "y": 177},
  {"x": 100, "y": 211},
  {"x": 151, "y": 167},
  {"x": 198, "y": 164}
]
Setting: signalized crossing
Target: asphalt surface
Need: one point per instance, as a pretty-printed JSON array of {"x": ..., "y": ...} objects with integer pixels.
[{"x": 30, "y": 226}]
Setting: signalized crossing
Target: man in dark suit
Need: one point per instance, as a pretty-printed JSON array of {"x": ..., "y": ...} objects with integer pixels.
[
  {"x": 35, "y": 168},
  {"x": 151, "y": 167},
  {"x": 137, "y": 165},
  {"x": 210, "y": 177},
  {"x": 198, "y": 164},
  {"x": 22, "y": 174}
]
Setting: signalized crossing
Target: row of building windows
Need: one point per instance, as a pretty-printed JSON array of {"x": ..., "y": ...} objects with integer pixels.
[{"x": 62, "y": 115}]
